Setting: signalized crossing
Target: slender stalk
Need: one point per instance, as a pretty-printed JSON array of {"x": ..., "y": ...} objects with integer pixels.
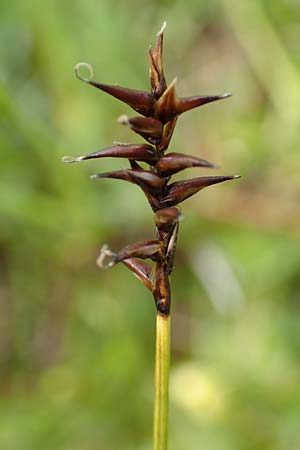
[{"x": 162, "y": 366}]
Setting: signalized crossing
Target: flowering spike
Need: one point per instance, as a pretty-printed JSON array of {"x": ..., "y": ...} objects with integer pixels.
[
  {"x": 160, "y": 109},
  {"x": 181, "y": 190},
  {"x": 140, "y": 152},
  {"x": 175, "y": 162},
  {"x": 143, "y": 178},
  {"x": 142, "y": 250}
]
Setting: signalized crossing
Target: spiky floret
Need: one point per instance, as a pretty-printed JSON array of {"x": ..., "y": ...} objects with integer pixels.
[{"x": 159, "y": 109}]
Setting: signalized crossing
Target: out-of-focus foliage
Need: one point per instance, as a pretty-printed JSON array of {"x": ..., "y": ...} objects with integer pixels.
[{"x": 76, "y": 343}]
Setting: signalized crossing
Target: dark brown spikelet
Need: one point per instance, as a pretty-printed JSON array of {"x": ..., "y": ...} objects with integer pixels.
[
  {"x": 143, "y": 178},
  {"x": 147, "y": 127},
  {"x": 157, "y": 78},
  {"x": 139, "y": 152},
  {"x": 141, "y": 269},
  {"x": 142, "y": 250},
  {"x": 159, "y": 109},
  {"x": 181, "y": 190},
  {"x": 175, "y": 162}
]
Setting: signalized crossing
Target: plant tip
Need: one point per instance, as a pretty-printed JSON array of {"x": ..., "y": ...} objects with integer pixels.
[
  {"x": 213, "y": 165},
  {"x": 173, "y": 82},
  {"x": 161, "y": 31},
  {"x": 68, "y": 159},
  {"x": 123, "y": 120},
  {"x": 228, "y": 94},
  {"x": 106, "y": 259},
  {"x": 87, "y": 66}
]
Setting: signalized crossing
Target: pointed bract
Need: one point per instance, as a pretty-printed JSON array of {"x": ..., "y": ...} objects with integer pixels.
[
  {"x": 143, "y": 178},
  {"x": 175, "y": 162},
  {"x": 168, "y": 130},
  {"x": 165, "y": 108},
  {"x": 147, "y": 127},
  {"x": 181, "y": 190},
  {"x": 186, "y": 103},
  {"x": 140, "y": 152},
  {"x": 141, "y": 269},
  {"x": 157, "y": 78},
  {"x": 170, "y": 106},
  {"x": 140, "y": 101},
  {"x": 172, "y": 248},
  {"x": 153, "y": 200},
  {"x": 142, "y": 250}
]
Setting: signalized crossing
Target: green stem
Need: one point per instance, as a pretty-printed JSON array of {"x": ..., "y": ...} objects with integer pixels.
[{"x": 162, "y": 365}]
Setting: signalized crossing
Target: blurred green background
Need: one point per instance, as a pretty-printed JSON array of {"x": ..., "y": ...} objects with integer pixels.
[{"x": 76, "y": 343}]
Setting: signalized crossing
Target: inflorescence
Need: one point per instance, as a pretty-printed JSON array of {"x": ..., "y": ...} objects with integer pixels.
[{"x": 159, "y": 111}]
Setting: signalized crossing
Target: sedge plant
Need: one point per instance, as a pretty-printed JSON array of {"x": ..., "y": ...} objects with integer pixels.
[{"x": 158, "y": 112}]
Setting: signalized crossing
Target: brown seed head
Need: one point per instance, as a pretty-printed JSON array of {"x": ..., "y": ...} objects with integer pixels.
[{"x": 160, "y": 109}]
